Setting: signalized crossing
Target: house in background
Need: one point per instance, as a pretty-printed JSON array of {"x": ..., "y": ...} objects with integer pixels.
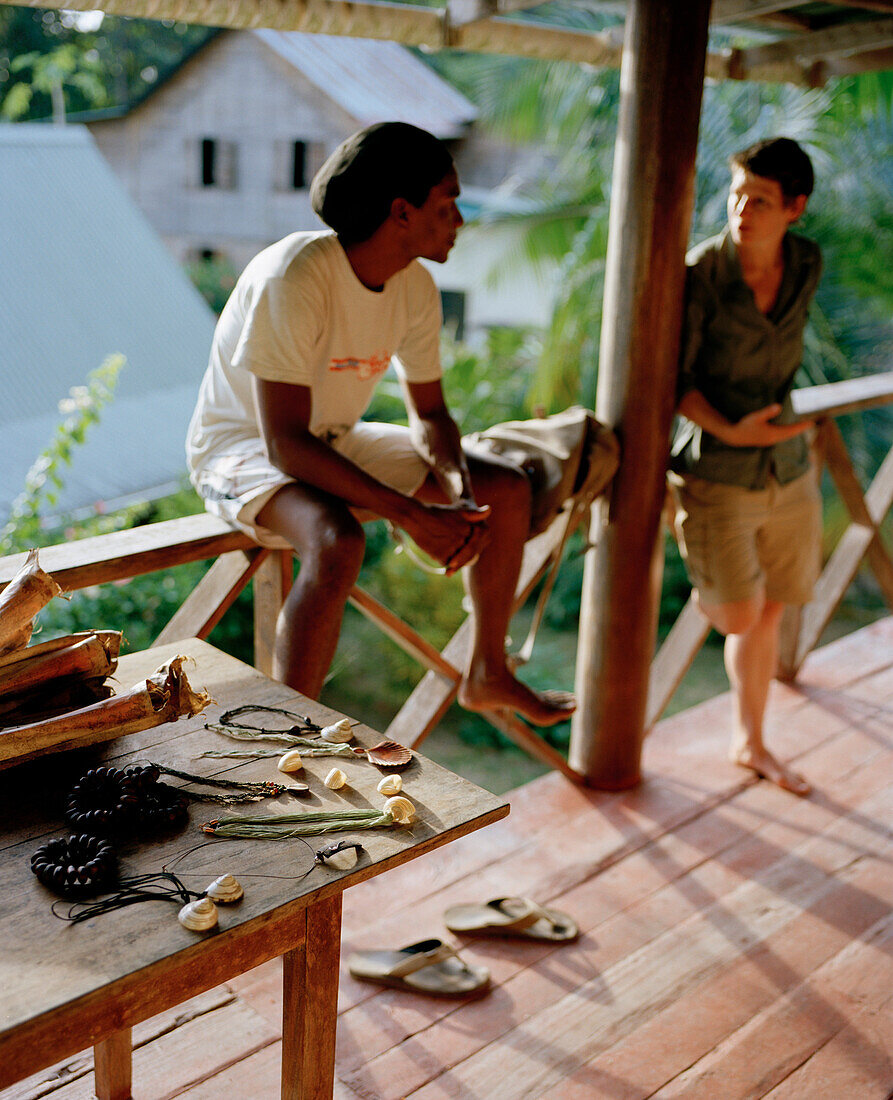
[
  {"x": 220, "y": 156},
  {"x": 84, "y": 276}
]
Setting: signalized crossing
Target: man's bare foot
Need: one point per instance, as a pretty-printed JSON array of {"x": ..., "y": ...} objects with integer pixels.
[
  {"x": 541, "y": 708},
  {"x": 767, "y": 767}
]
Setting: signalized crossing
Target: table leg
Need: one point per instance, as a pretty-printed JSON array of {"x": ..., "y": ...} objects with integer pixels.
[
  {"x": 112, "y": 1061},
  {"x": 310, "y": 1005}
]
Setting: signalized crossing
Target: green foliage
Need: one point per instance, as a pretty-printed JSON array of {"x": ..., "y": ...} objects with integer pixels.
[
  {"x": 482, "y": 385},
  {"x": 85, "y": 61},
  {"x": 65, "y": 67},
  {"x": 214, "y": 280},
  {"x": 43, "y": 481}
]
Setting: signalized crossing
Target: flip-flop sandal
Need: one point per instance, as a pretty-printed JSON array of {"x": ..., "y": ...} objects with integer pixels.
[
  {"x": 430, "y": 966},
  {"x": 512, "y": 917}
]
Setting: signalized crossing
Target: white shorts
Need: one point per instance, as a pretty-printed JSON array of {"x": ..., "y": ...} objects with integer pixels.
[{"x": 237, "y": 485}]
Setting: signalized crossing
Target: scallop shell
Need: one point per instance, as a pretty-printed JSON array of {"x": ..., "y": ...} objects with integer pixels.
[
  {"x": 336, "y": 779},
  {"x": 290, "y": 761},
  {"x": 387, "y": 754},
  {"x": 338, "y": 733},
  {"x": 391, "y": 784},
  {"x": 199, "y": 915},
  {"x": 400, "y": 809},
  {"x": 225, "y": 889}
]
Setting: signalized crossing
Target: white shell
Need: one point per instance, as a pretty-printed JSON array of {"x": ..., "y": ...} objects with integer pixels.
[
  {"x": 290, "y": 761},
  {"x": 391, "y": 784},
  {"x": 336, "y": 779},
  {"x": 400, "y": 809},
  {"x": 337, "y": 734},
  {"x": 199, "y": 915},
  {"x": 225, "y": 889}
]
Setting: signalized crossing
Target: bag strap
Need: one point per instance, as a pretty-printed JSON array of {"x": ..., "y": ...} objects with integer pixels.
[{"x": 581, "y": 504}]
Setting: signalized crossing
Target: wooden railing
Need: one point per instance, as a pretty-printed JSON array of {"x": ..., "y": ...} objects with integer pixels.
[{"x": 239, "y": 561}]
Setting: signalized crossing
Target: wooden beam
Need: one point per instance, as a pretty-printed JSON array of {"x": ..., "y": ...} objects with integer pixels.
[
  {"x": 661, "y": 82},
  {"x": 130, "y": 553},
  {"x": 471, "y": 26},
  {"x": 409, "y": 640},
  {"x": 272, "y": 582},
  {"x": 212, "y": 597},
  {"x": 742, "y": 11},
  {"x": 867, "y": 5},
  {"x": 674, "y": 658},
  {"x": 502, "y": 36},
  {"x": 461, "y": 12},
  {"x": 803, "y": 627},
  {"x": 868, "y": 61},
  {"x": 841, "y": 40}
]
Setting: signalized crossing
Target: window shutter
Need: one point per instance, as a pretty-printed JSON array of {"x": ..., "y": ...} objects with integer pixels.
[
  {"x": 281, "y": 164},
  {"x": 314, "y": 158},
  {"x": 192, "y": 162},
  {"x": 226, "y": 175}
]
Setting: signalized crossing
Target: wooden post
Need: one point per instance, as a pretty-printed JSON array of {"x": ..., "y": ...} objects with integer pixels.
[
  {"x": 272, "y": 583},
  {"x": 661, "y": 80}
]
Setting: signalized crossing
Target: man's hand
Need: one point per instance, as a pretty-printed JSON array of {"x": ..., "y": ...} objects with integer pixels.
[
  {"x": 754, "y": 430},
  {"x": 453, "y": 534}
]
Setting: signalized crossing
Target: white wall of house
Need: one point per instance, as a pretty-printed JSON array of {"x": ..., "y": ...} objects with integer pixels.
[
  {"x": 254, "y": 103},
  {"x": 226, "y": 94}
]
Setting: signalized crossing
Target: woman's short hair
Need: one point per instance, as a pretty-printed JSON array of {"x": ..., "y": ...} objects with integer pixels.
[{"x": 779, "y": 159}]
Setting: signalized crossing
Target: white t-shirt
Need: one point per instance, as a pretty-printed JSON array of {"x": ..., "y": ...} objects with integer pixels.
[{"x": 299, "y": 314}]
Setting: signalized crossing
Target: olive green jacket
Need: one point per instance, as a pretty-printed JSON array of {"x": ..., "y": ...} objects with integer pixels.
[{"x": 742, "y": 360}]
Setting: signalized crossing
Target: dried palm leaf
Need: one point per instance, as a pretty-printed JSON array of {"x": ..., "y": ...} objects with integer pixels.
[
  {"x": 163, "y": 697},
  {"x": 85, "y": 656},
  {"x": 28, "y": 591},
  {"x": 55, "y": 698}
]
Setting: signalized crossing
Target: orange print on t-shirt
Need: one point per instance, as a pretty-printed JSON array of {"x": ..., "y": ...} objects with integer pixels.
[{"x": 364, "y": 368}]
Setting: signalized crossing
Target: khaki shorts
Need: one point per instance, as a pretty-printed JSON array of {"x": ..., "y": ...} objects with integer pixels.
[
  {"x": 738, "y": 543},
  {"x": 237, "y": 485}
]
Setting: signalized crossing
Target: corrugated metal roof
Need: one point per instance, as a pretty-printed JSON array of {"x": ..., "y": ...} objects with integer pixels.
[
  {"x": 84, "y": 276},
  {"x": 375, "y": 81}
]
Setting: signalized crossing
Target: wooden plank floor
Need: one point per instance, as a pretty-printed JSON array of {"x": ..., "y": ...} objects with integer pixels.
[{"x": 736, "y": 940}]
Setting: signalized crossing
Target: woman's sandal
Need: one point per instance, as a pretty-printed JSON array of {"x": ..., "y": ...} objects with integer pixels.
[
  {"x": 430, "y": 966},
  {"x": 512, "y": 917}
]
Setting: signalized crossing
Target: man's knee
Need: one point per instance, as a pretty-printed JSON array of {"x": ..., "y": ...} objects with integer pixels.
[
  {"x": 327, "y": 538},
  {"x": 334, "y": 549},
  {"x": 500, "y": 483}
]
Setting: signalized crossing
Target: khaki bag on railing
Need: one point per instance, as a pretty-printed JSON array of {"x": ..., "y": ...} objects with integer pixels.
[{"x": 569, "y": 455}]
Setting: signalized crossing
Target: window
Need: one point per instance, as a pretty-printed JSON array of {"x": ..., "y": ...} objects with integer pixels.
[
  {"x": 452, "y": 303},
  {"x": 215, "y": 161},
  {"x": 296, "y": 163},
  {"x": 209, "y": 162}
]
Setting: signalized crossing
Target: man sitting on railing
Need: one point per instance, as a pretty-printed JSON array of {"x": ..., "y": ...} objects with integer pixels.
[
  {"x": 276, "y": 445},
  {"x": 748, "y": 506}
]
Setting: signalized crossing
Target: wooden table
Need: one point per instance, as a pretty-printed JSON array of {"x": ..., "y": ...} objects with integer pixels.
[{"x": 64, "y": 988}]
